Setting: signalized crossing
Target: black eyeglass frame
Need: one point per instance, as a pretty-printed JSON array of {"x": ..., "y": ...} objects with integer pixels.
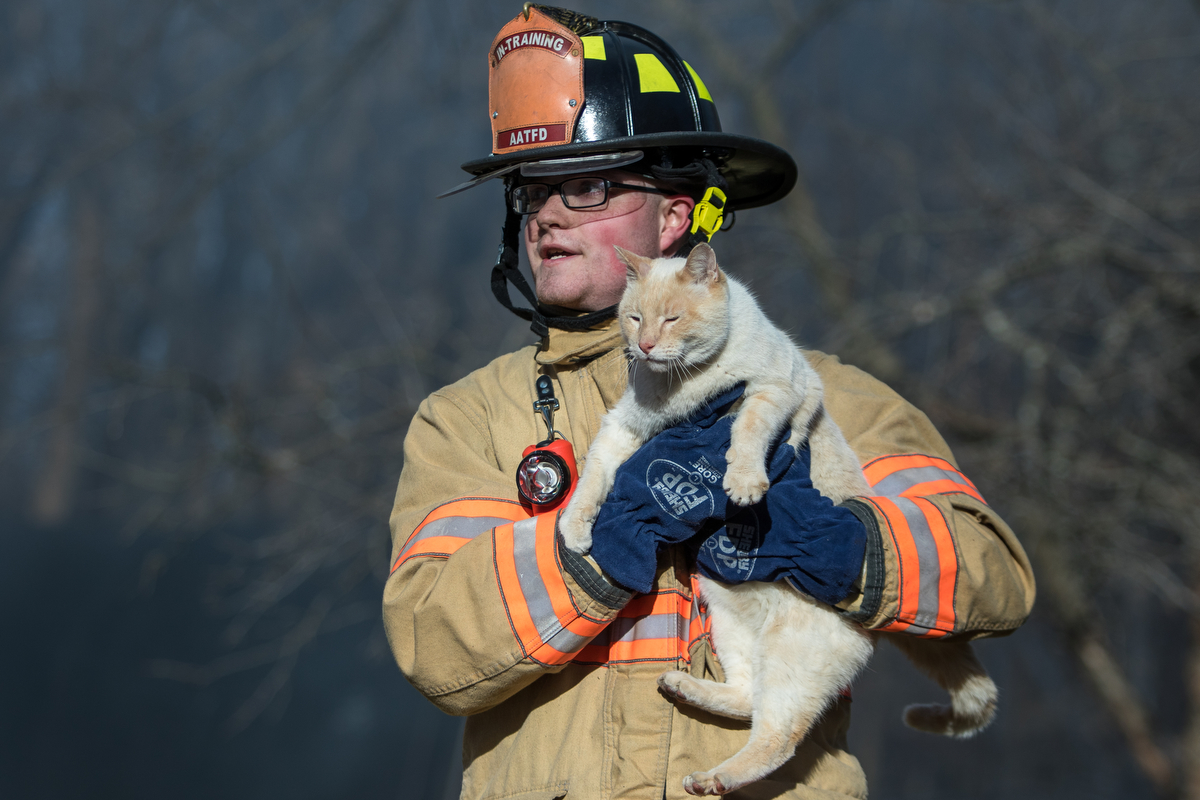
[{"x": 551, "y": 187}]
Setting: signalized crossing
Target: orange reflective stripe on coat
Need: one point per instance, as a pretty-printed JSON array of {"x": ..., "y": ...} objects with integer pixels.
[
  {"x": 928, "y": 565},
  {"x": 915, "y": 475},
  {"x": 921, "y": 537},
  {"x": 543, "y": 616},
  {"x": 651, "y": 627},
  {"x": 453, "y": 524}
]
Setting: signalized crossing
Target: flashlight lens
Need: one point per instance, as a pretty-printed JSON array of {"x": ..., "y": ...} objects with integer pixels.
[{"x": 541, "y": 479}]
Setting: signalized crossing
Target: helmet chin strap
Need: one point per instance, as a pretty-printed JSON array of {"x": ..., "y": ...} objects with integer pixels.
[{"x": 506, "y": 271}]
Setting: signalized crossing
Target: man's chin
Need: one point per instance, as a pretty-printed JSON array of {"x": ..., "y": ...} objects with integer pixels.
[
  {"x": 574, "y": 297},
  {"x": 559, "y": 298},
  {"x": 567, "y": 305}
]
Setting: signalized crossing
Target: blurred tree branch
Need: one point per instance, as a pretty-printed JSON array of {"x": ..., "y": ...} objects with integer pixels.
[{"x": 55, "y": 485}]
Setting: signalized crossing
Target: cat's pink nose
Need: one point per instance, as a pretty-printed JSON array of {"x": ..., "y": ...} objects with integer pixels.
[{"x": 646, "y": 346}]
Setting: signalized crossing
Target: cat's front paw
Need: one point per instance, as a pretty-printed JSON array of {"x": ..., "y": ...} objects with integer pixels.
[
  {"x": 745, "y": 487},
  {"x": 576, "y": 529}
]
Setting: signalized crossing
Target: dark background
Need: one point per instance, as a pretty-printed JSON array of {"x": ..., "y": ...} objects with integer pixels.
[{"x": 225, "y": 286}]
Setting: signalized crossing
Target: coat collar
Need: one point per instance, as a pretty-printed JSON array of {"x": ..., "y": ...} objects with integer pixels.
[{"x": 567, "y": 347}]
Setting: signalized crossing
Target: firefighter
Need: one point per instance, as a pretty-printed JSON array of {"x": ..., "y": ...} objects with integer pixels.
[{"x": 603, "y": 135}]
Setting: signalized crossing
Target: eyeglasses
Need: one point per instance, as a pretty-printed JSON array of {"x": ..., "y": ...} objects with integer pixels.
[{"x": 528, "y": 198}]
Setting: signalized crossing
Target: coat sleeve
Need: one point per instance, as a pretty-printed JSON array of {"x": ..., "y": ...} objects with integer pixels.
[
  {"x": 482, "y": 598},
  {"x": 940, "y": 561}
]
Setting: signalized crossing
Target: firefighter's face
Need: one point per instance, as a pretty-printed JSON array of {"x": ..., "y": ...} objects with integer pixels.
[{"x": 571, "y": 250}]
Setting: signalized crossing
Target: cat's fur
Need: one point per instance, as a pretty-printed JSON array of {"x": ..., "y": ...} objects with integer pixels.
[{"x": 694, "y": 332}]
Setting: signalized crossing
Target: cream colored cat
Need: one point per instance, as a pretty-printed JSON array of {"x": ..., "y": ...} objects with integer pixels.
[{"x": 694, "y": 332}]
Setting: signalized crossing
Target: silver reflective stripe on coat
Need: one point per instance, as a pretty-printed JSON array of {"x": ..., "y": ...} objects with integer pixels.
[
  {"x": 651, "y": 626},
  {"x": 930, "y": 565},
  {"x": 899, "y": 482},
  {"x": 457, "y": 527},
  {"x": 537, "y": 598}
]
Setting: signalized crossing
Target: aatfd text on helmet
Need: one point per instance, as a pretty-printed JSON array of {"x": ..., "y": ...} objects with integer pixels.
[
  {"x": 534, "y": 134},
  {"x": 547, "y": 40}
]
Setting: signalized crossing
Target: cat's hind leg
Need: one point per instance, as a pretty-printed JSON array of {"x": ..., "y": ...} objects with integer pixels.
[
  {"x": 807, "y": 654},
  {"x": 733, "y": 642},
  {"x": 731, "y": 700}
]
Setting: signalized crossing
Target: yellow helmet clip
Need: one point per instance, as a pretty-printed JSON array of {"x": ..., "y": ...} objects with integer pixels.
[{"x": 708, "y": 215}]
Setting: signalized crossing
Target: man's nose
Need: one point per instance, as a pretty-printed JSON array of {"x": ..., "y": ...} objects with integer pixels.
[{"x": 552, "y": 214}]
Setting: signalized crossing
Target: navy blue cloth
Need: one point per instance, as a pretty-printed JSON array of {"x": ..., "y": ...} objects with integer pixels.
[
  {"x": 794, "y": 533},
  {"x": 670, "y": 491},
  {"x": 664, "y": 493}
]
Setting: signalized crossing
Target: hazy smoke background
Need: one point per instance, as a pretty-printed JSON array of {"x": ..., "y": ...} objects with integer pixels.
[{"x": 225, "y": 285}]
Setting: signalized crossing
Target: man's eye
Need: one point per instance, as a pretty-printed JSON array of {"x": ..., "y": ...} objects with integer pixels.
[
  {"x": 587, "y": 188},
  {"x": 530, "y": 194}
]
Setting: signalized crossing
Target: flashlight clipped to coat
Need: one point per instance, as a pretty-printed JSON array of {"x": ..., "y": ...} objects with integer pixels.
[{"x": 547, "y": 472}]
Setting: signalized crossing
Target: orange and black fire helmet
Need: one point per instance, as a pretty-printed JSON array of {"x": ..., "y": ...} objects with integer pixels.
[{"x": 569, "y": 93}]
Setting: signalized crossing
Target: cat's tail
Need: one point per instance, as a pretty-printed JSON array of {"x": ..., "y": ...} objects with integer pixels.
[{"x": 954, "y": 667}]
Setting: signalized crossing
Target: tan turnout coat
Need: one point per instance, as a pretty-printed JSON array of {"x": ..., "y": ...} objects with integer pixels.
[{"x": 487, "y": 616}]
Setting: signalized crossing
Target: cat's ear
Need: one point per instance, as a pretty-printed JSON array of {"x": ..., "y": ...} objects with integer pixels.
[
  {"x": 635, "y": 266},
  {"x": 701, "y": 264}
]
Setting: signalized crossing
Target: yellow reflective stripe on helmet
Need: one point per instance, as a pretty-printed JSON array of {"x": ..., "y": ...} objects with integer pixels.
[
  {"x": 652, "y": 75},
  {"x": 593, "y": 47},
  {"x": 700, "y": 87}
]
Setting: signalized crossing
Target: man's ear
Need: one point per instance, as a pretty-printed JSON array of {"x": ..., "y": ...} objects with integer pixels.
[
  {"x": 635, "y": 266},
  {"x": 675, "y": 221},
  {"x": 701, "y": 264}
]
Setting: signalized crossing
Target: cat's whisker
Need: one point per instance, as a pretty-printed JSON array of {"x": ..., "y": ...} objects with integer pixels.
[{"x": 631, "y": 365}]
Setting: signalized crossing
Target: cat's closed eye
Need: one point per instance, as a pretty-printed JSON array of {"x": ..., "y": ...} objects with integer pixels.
[{"x": 635, "y": 318}]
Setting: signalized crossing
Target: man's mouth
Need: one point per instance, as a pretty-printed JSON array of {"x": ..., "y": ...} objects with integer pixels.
[{"x": 553, "y": 253}]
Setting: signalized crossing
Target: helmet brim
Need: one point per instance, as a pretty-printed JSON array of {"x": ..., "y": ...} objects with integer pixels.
[
  {"x": 758, "y": 172},
  {"x": 572, "y": 165}
]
